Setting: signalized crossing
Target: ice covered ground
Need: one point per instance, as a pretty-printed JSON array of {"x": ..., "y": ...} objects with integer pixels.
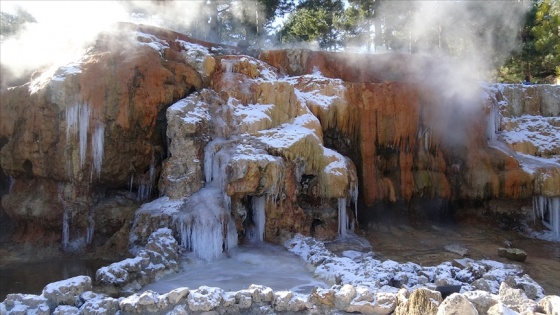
[{"x": 256, "y": 263}]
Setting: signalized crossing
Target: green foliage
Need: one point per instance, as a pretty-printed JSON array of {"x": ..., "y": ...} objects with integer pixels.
[
  {"x": 315, "y": 21},
  {"x": 538, "y": 59}
]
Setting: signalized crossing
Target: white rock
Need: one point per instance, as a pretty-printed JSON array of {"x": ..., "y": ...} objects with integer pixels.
[
  {"x": 244, "y": 299},
  {"x": 15, "y": 303},
  {"x": 550, "y": 304},
  {"x": 298, "y": 303},
  {"x": 66, "y": 310},
  {"x": 205, "y": 299},
  {"x": 516, "y": 299},
  {"x": 261, "y": 293},
  {"x": 385, "y": 303},
  {"x": 175, "y": 295},
  {"x": 344, "y": 296},
  {"x": 282, "y": 300},
  {"x": 67, "y": 291},
  {"x": 179, "y": 310},
  {"x": 456, "y": 304},
  {"x": 501, "y": 309},
  {"x": 103, "y": 306},
  {"x": 482, "y": 300}
]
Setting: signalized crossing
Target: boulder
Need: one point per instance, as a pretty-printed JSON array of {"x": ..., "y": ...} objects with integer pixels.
[
  {"x": 482, "y": 300},
  {"x": 27, "y": 303},
  {"x": 456, "y": 304},
  {"x": 514, "y": 254},
  {"x": 457, "y": 249},
  {"x": 205, "y": 299},
  {"x": 501, "y": 309},
  {"x": 421, "y": 301},
  {"x": 516, "y": 299},
  {"x": 67, "y": 292},
  {"x": 550, "y": 304},
  {"x": 66, "y": 310}
]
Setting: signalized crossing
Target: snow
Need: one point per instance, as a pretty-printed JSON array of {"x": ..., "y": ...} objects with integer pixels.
[
  {"x": 192, "y": 46},
  {"x": 338, "y": 165},
  {"x": 152, "y": 41},
  {"x": 252, "y": 113},
  {"x": 285, "y": 135},
  {"x": 542, "y": 132}
]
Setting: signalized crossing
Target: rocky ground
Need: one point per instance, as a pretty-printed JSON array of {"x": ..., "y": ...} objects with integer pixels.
[{"x": 426, "y": 246}]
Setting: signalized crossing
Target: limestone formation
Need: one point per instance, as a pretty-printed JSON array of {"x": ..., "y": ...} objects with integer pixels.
[{"x": 137, "y": 116}]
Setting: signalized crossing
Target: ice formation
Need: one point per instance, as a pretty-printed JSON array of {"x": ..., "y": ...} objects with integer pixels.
[
  {"x": 547, "y": 209},
  {"x": 65, "y": 229},
  {"x": 343, "y": 222},
  {"x": 78, "y": 120},
  {"x": 259, "y": 218},
  {"x": 146, "y": 183},
  {"x": 97, "y": 148}
]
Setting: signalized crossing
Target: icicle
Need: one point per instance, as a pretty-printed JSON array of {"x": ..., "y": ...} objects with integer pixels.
[
  {"x": 83, "y": 127},
  {"x": 97, "y": 147},
  {"x": 354, "y": 195},
  {"x": 342, "y": 217},
  {"x": 65, "y": 229},
  {"x": 259, "y": 218},
  {"x": 145, "y": 184},
  {"x": 131, "y": 181},
  {"x": 228, "y": 65},
  {"x": 71, "y": 120},
  {"x": 547, "y": 209},
  {"x": 12, "y": 183},
  {"x": 209, "y": 152},
  {"x": 77, "y": 120},
  {"x": 90, "y": 228},
  {"x": 493, "y": 122}
]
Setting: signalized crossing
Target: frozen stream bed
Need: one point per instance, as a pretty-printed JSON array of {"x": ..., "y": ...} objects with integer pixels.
[{"x": 256, "y": 263}]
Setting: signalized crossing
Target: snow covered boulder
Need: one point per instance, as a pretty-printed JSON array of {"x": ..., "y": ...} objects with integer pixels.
[
  {"x": 261, "y": 293},
  {"x": 501, "y": 309},
  {"x": 67, "y": 292},
  {"x": 323, "y": 297},
  {"x": 344, "y": 296},
  {"x": 516, "y": 299},
  {"x": 531, "y": 288},
  {"x": 176, "y": 295},
  {"x": 482, "y": 300},
  {"x": 100, "y": 306},
  {"x": 162, "y": 242},
  {"x": 26, "y": 304},
  {"x": 66, "y": 310},
  {"x": 205, "y": 299},
  {"x": 456, "y": 304},
  {"x": 147, "y": 302},
  {"x": 118, "y": 273},
  {"x": 282, "y": 300}
]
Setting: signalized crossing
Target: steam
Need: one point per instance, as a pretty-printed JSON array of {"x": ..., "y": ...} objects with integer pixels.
[
  {"x": 463, "y": 41},
  {"x": 64, "y": 29}
]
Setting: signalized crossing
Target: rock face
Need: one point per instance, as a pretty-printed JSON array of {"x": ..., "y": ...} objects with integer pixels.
[{"x": 292, "y": 141}]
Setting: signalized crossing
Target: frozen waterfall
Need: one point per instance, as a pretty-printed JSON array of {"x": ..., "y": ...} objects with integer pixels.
[
  {"x": 547, "y": 209},
  {"x": 78, "y": 120},
  {"x": 205, "y": 224},
  {"x": 259, "y": 219}
]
